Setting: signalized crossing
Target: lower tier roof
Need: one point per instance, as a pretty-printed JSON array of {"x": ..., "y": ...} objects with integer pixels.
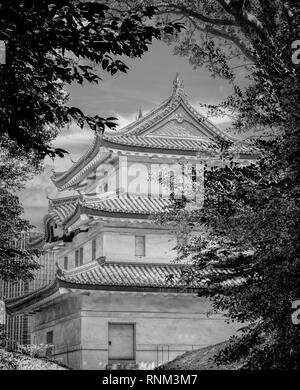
[{"x": 112, "y": 276}]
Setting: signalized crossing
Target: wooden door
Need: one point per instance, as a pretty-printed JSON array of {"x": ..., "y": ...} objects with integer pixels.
[{"x": 121, "y": 341}]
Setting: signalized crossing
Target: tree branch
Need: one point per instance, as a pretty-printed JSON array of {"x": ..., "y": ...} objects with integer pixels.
[
  {"x": 209, "y": 28},
  {"x": 243, "y": 17},
  {"x": 225, "y": 35},
  {"x": 189, "y": 12}
]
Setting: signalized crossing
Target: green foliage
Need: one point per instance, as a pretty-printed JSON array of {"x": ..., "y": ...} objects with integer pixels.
[
  {"x": 20, "y": 361},
  {"x": 16, "y": 262},
  {"x": 48, "y": 44},
  {"x": 249, "y": 224},
  {"x": 34, "y": 350},
  {"x": 219, "y": 34},
  {"x": 2, "y": 334}
]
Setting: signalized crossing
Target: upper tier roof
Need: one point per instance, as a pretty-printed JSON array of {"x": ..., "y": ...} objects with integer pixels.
[
  {"x": 174, "y": 127},
  {"x": 66, "y": 209}
]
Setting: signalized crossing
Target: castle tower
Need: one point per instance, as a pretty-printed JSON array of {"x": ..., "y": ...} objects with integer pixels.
[{"x": 110, "y": 301}]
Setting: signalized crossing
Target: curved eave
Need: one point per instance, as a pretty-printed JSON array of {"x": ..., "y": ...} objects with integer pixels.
[
  {"x": 173, "y": 151},
  {"x": 116, "y": 214},
  {"x": 72, "y": 181},
  {"x": 38, "y": 243},
  {"x": 28, "y": 303},
  {"x": 47, "y": 220},
  {"x": 166, "y": 289},
  {"x": 49, "y": 239},
  {"x": 66, "y": 176},
  {"x": 82, "y": 210},
  {"x": 35, "y": 301},
  {"x": 60, "y": 201},
  {"x": 111, "y": 144}
]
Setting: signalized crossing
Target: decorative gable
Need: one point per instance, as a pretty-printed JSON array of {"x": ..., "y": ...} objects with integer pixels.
[
  {"x": 181, "y": 124},
  {"x": 172, "y": 127},
  {"x": 175, "y": 129}
]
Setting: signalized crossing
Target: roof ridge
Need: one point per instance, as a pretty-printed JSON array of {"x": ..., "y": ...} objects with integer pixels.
[
  {"x": 102, "y": 262},
  {"x": 132, "y": 263},
  {"x": 128, "y": 127},
  {"x": 178, "y": 94},
  {"x": 78, "y": 270}
]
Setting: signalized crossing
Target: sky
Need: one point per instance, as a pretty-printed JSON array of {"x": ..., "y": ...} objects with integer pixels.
[{"x": 147, "y": 83}]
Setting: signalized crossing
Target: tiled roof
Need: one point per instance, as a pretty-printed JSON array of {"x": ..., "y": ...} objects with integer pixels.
[
  {"x": 125, "y": 275},
  {"x": 195, "y": 144},
  {"x": 99, "y": 275},
  {"x": 63, "y": 212},
  {"x": 61, "y": 208},
  {"x": 37, "y": 242},
  {"x": 138, "y": 135},
  {"x": 102, "y": 275},
  {"x": 128, "y": 275},
  {"x": 130, "y": 204},
  {"x": 176, "y": 143}
]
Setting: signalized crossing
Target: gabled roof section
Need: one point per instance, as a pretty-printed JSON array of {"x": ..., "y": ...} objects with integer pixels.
[
  {"x": 174, "y": 127},
  {"x": 177, "y": 109}
]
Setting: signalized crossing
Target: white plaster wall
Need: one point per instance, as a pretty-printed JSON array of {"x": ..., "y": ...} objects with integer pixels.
[
  {"x": 63, "y": 318},
  {"x": 118, "y": 244},
  {"x": 121, "y": 247},
  {"x": 167, "y": 325},
  {"x": 82, "y": 240}
]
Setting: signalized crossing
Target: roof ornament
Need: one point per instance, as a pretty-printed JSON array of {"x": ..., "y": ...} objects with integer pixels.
[
  {"x": 179, "y": 117},
  {"x": 140, "y": 114},
  {"x": 178, "y": 86},
  {"x": 101, "y": 260}
]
